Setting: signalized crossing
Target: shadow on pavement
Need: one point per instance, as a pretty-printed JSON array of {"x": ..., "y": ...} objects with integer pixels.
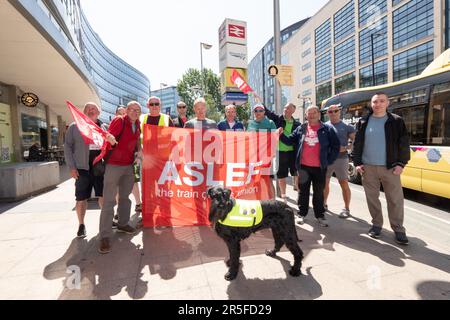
[
  {"x": 434, "y": 290},
  {"x": 125, "y": 272},
  {"x": 301, "y": 288},
  {"x": 352, "y": 233}
]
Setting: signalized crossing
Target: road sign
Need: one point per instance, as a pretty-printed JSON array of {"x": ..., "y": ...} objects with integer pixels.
[
  {"x": 283, "y": 73},
  {"x": 233, "y": 31},
  {"x": 233, "y": 56},
  {"x": 237, "y": 98}
]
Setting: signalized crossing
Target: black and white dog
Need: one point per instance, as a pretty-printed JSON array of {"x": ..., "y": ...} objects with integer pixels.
[{"x": 275, "y": 215}]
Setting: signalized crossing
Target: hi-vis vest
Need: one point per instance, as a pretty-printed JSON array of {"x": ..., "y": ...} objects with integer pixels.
[
  {"x": 244, "y": 214},
  {"x": 163, "y": 122}
]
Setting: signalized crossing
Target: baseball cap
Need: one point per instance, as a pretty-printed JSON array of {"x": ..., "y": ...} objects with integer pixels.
[{"x": 258, "y": 107}]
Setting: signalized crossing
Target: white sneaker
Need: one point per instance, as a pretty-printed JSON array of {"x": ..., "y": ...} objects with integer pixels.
[
  {"x": 301, "y": 220},
  {"x": 322, "y": 222},
  {"x": 345, "y": 214}
]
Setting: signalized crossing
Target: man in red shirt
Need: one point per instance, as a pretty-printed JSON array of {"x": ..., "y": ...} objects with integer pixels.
[{"x": 119, "y": 174}]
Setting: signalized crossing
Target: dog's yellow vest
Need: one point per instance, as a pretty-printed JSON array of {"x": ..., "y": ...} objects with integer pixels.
[{"x": 244, "y": 214}]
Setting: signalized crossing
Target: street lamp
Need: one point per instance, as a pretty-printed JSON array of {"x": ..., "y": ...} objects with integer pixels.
[
  {"x": 372, "y": 37},
  {"x": 305, "y": 99},
  {"x": 277, "y": 49},
  {"x": 206, "y": 47},
  {"x": 161, "y": 86}
]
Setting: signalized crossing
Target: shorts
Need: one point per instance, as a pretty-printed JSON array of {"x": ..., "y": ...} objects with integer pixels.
[
  {"x": 340, "y": 168},
  {"x": 286, "y": 165},
  {"x": 86, "y": 181}
]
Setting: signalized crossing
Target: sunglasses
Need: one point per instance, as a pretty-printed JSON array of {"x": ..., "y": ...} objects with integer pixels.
[
  {"x": 184, "y": 107},
  {"x": 259, "y": 111},
  {"x": 154, "y": 104},
  {"x": 333, "y": 111}
]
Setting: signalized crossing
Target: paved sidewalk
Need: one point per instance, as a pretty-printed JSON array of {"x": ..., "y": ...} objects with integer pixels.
[{"x": 341, "y": 262}]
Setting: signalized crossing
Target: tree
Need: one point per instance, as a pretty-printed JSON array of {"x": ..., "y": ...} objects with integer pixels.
[{"x": 189, "y": 89}]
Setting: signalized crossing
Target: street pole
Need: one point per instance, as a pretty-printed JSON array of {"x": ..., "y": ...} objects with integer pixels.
[
  {"x": 277, "y": 41},
  {"x": 373, "y": 60},
  {"x": 201, "y": 65},
  {"x": 206, "y": 47}
]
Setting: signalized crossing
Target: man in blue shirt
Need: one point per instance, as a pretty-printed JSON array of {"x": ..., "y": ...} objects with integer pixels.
[
  {"x": 380, "y": 154},
  {"x": 230, "y": 123}
]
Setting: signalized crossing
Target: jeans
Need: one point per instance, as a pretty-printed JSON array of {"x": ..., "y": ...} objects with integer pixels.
[{"x": 316, "y": 176}]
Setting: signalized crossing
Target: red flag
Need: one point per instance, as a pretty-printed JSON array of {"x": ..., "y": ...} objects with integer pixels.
[
  {"x": 91, "y": 133},
  {"x": 240, "y": 82}
]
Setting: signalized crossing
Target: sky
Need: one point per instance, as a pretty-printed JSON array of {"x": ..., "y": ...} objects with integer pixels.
[{"x": 162, "y": 38}]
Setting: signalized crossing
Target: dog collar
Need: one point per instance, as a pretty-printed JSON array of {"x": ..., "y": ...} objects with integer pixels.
[{"x": 245, "y": 214}]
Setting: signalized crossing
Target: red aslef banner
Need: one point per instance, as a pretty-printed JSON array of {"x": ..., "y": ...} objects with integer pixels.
[{"x": 181, "y": 164}]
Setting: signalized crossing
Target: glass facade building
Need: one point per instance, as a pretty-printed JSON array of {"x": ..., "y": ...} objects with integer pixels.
[
  {"x": 169, "y": 99},
  {"x": 412, "y": 21},
  {"x": 117, "y": 82},
  {"x": 344, "y": 22},
  {"x": 397, "y": 38},
  {"x": 412, "y": 62},
  {"x": 381, "y": 74},
  {"x": 258, "y": 77}
]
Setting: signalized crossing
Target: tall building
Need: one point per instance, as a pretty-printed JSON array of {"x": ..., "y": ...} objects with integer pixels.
[
  {"x": 332, "y": 51},
  {"x": 48, "y": 48},
  {"x": 169, "y": 99},
  {"x": 258, "y": 77},
  {"x": 117, "y": 81}
]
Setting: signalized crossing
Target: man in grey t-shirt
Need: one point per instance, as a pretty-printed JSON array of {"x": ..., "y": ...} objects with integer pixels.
[
  {"x": 345, "y": 134},
  {"x": 200, "y": 122}
]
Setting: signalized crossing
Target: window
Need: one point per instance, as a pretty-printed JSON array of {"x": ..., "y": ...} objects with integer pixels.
[
  {"x": 439, "y": 118},
  {"x": 306, "y": 66},
  {"x": 344, "y": 21},
  {"x": 370, "y": 10},
  {"x": 380, "y": 42},
  {"x": 323, "y": 68},
  {"x": 323, "y": 37},
  {"x": 344, "y": 56},
  {"x": 447, "y": 24},
  {"x": 412, "y": 22},
  {"x": 323, "y": 92},
  {"x": 306, "y": 53},
  {"x": 345, "y": 83},
  {"x": 306, "y": 39},
  {"x": 365, "y": 74},
  {"x": 396, "y": 2},
  {"x": 307, "y": 79},
  {"x": 414, "y": 118},
  {"x": 412, "y": 62}
]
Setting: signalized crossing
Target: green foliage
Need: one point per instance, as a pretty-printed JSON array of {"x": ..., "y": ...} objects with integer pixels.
[
  {"x": 243, "y": 113},
  {"x": 189, "y": 89}
]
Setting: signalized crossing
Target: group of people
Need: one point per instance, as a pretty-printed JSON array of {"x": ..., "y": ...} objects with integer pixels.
[
  {"x": 310, "y": 152},
  {"x": 380, "y": 149}
]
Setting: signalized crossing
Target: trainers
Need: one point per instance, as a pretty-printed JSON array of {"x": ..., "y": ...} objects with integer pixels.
[
  {"x": 115, "y": 223},
  {"x": 301, "y": 220},
  {"x": 126, "y": 229},
  {"x": 345, "y": 214},
  {"x": 81, "y": 231},
  {"x": 138, "y": 208},
  {"x": 322, "y": 222},
  {"x": 401, "y": 238},
  {"x": 105, "y": 246},
  {"x": 375, "y": 232}
]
